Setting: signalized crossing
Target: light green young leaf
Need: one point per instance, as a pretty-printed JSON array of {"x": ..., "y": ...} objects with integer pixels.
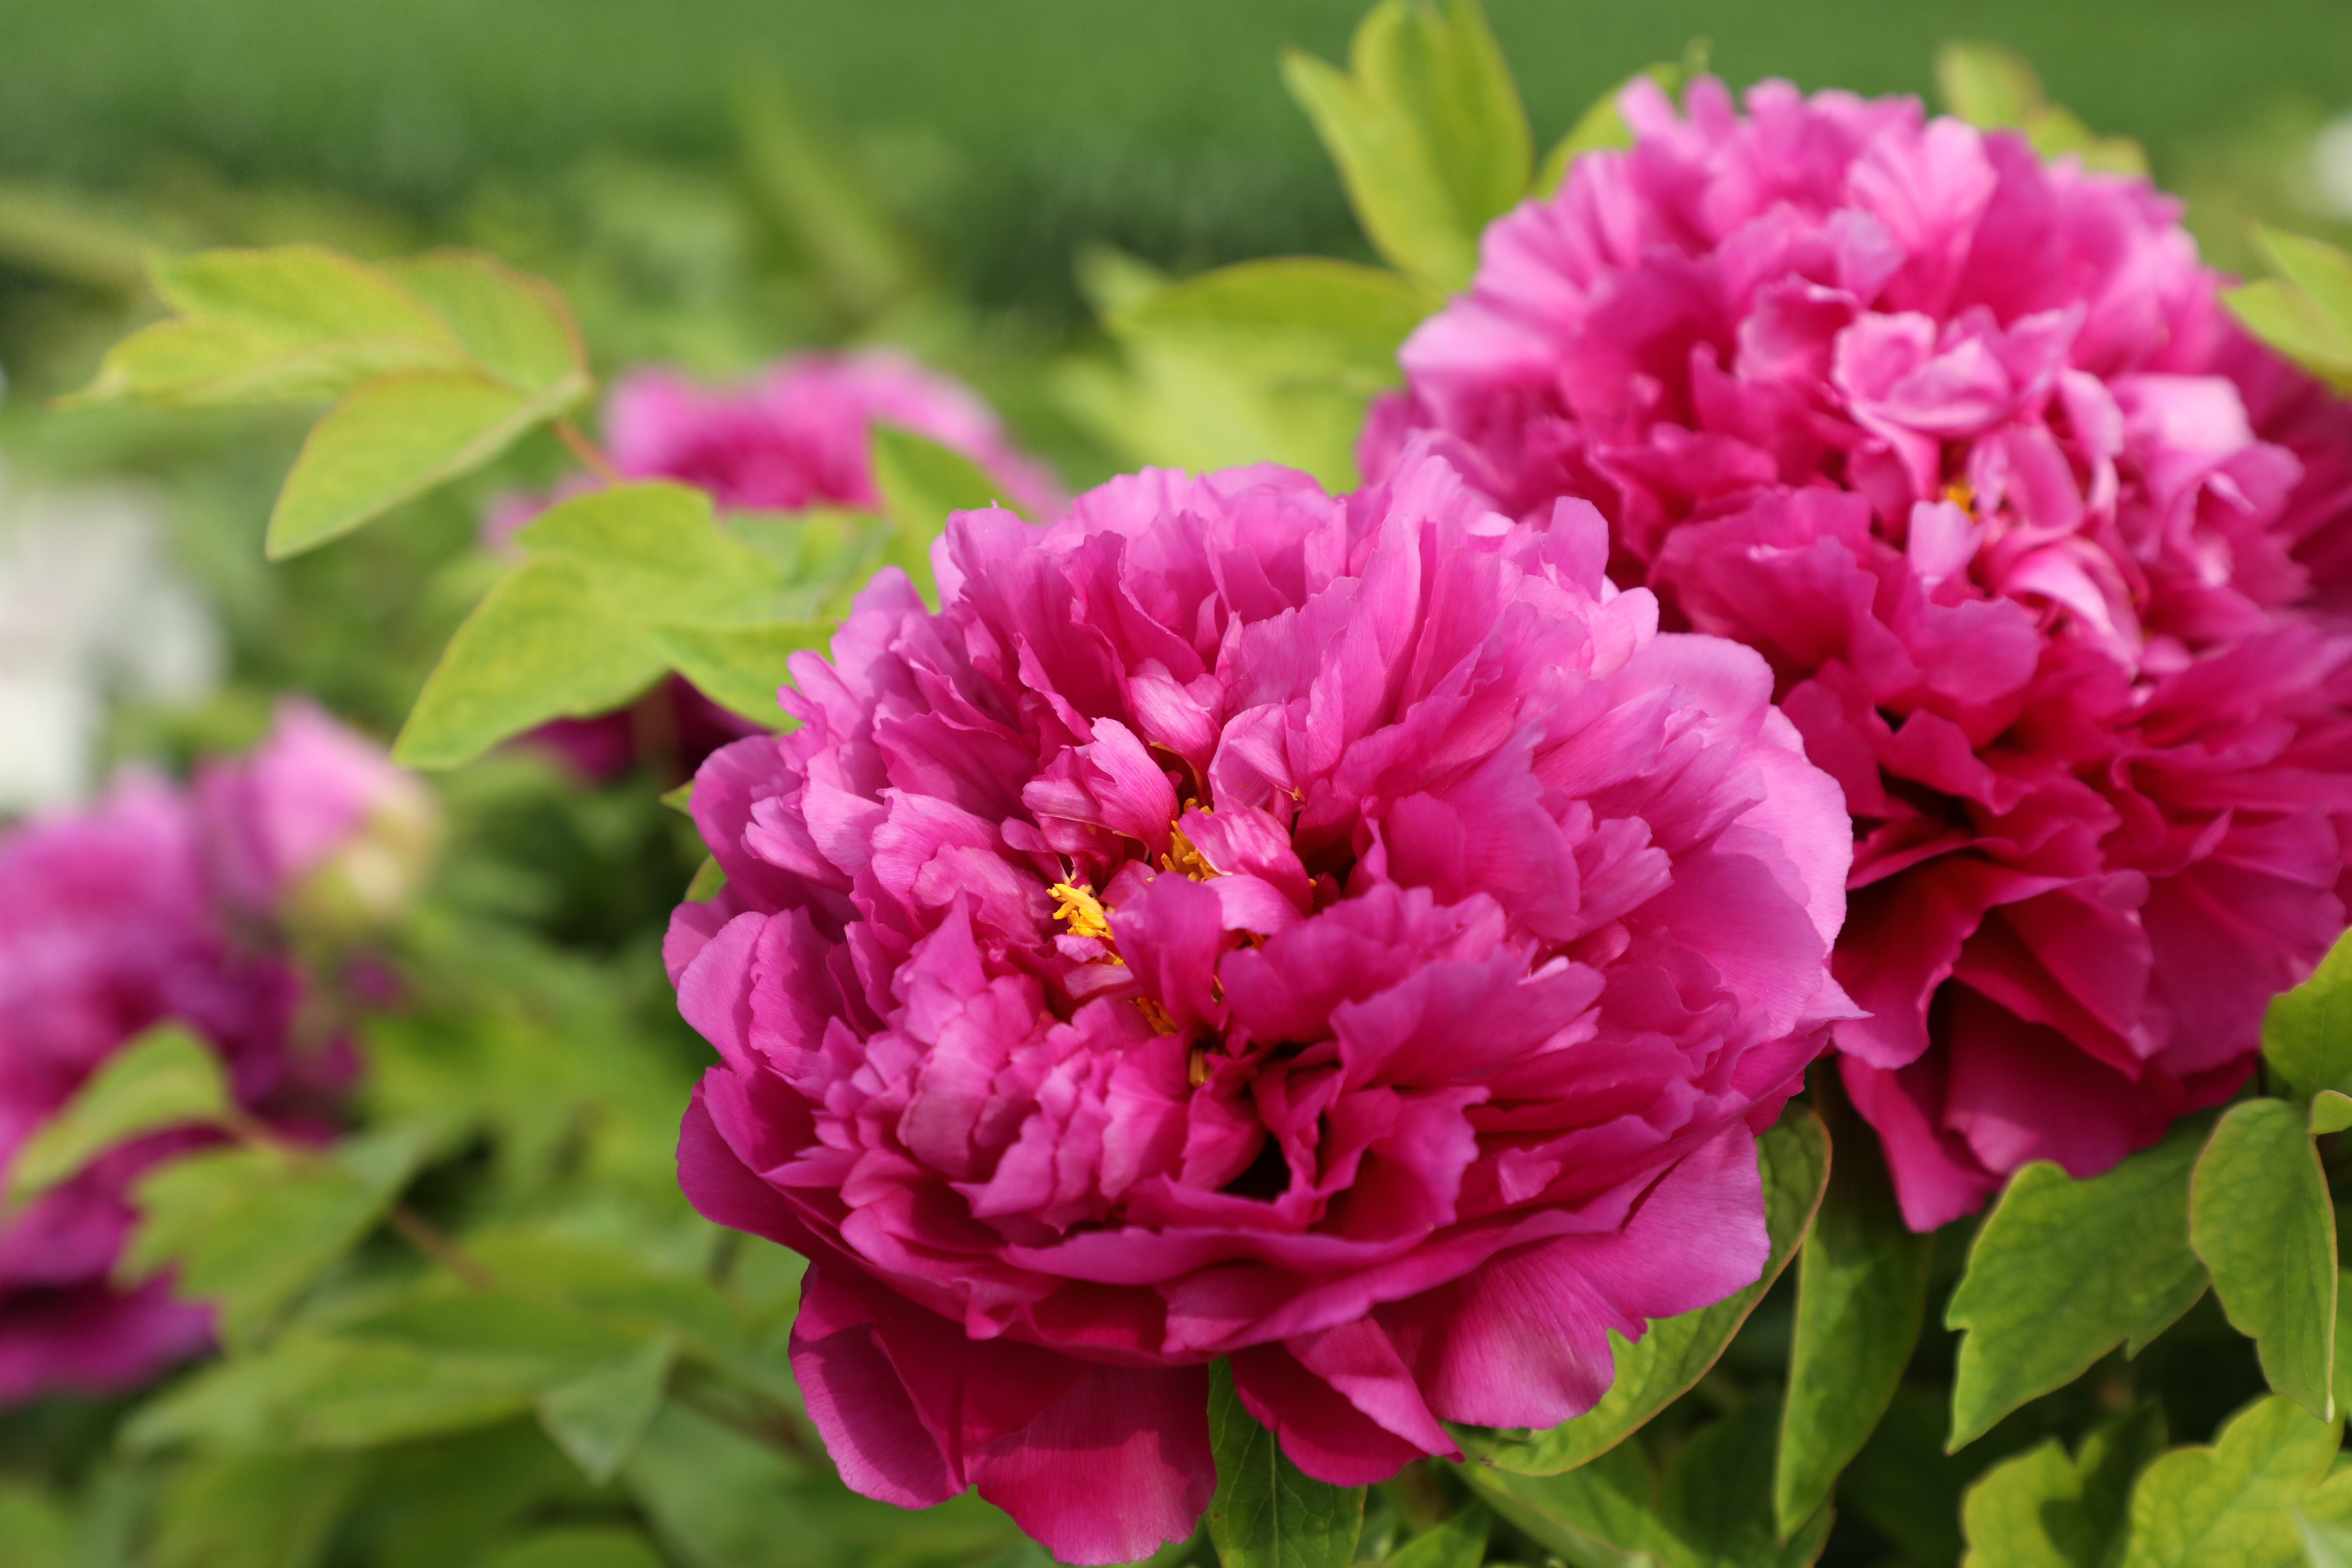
[
  {"x": 390, "y": 440},
  {"x": 2260, "y": 1218},
  {"x": 1265, "y": 1513},
  {"x": 1427, "y": 129},
  {"x": 1677, "y": 1352},
  {"x": 597, "y": 1419},
  {"x": 515, "y": 328},
  {"x": 1458, "y": 1542},
  {"x": 34, "y": 1530},
  {"x": 2293, "y": 322},
  {"x": 1988, "y": 85},
  {"x": 2044, "y": 1509},
  {"x": 655, "y": 552},
  {"x": 541, "y": 644},
  {"x": 2307, "y": 1031},
  {"x": 296, "y": 323},
  {"x": 920, "y": 483},
  {"x": 709, "y": 878},
  {"x": 1177, "y": 402},
  {"x": 249, "y": 1229},
  {"x": 2325, "y": 1544},
  {"x": 1862, "y": 1295},
  {"x": 2331, "y": 1111},
  {"x": 741, "y": 668},
  {"x": 1711, "y": 1508},
  {"x": 1296, "y": 317},
  {"x": 578, "y": 1548},
  {"x": 164, "y": 1078},
  {"x": 2231, "y": 1505},
  {"x": 2062, "y": 1271},
  {"x": 251, "y": 1510}
]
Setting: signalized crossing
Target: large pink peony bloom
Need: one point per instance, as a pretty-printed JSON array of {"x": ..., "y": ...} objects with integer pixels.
[
  {"x": 1339, "y": 935},
  {"x": 2033, "y": 539},
  {"x": 797, "y": 436},
  {"x": 109, "y": 925}
]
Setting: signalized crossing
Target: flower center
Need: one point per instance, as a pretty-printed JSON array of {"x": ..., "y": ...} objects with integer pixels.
[{"x": 1084, "y": 911}]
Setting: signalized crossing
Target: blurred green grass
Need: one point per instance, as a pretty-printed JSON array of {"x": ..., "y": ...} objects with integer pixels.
[{"x": 1018, "y": 129}]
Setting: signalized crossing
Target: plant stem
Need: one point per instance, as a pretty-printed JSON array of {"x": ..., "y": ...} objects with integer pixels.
[{"x": 592, "y": 457}]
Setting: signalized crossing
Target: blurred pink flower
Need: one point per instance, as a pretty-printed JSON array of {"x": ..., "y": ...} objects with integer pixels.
[
  {"x": 107, "y": 926},
  {"x": 317, "y": 814},
  {"x": 2046, "y": 556},
  {"x": 797, "y": 436},
  {"x": 1338, "y": 934}
]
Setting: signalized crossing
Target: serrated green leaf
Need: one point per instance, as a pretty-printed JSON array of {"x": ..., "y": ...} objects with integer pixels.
[
  {"x": 2259, "y": 1219},
  {"x": 164, "y": 1078},
  {"x": 1712, "y": 1508},
  {"x": 741, "y": 668},
  {"x": 2307, "y": 1031},
  {"x": 1427, "y": 129},
  {"x": 515, "y": 327},
  {"x": 2062, "y": 1271},
  {"x": 1458, "y": 1542},
  {"x": 1299, "y": 316},
  {"x": 598, "y": 1417},
  {"x": 393, "y": 437},
  {"x": 1794, "y": 1157},
  {"x": 1862, "y": 1295},
  {"x": 578, "y": 1548},
  {"x": 2231, "y": 1505},
  {"x": 247, "y": 1229},
  {"x": 1265, "y": 1512},
  {"x": 2044, "y": 1509},
  {"x": 655, "y": 551},
  {"x": 540, "y": 646}
]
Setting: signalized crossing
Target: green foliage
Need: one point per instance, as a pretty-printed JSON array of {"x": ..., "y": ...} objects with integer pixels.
[
  {"x": 1794, "y": 1157},
  {"x": 1987, "y": 85},
  {"x": 1459, "y": 1541},
  {"x": 1710, "y": 1506},
  {"x": 2307, "y": 1031},
  {"x": 2232, "y": 1505},
  {"x": 921, "y": 482},
  {"x": 1600, "y": 126},
  {"x": 2047, "y": 1510},
  {"x": 2259, "y": 1219},
  {"x": 2062, "y": 1271},
  {"x": 1265, "y": 1513},
  {"x": 165, "y": 1077},
  {"x": 1427, "y": 130},
  {"x": 1861, "y": 1294},
  {"x": 436, "y": 367},
  {"x": 617, "y": 587}
]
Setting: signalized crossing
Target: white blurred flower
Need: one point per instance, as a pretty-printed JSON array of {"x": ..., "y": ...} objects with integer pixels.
[
  {"x": 2331, "y": 168},
  {"x": 90, "y": 611}
]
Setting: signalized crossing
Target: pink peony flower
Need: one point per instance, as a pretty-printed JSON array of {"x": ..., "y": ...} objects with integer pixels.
[
  {"x": 318, "y": 815},
  {"x": 796, "y": 437},
  {"x": 107, "y": 926},
  {"x": 1337, "y": 935},
  {"x": 2037, "y": 543}
]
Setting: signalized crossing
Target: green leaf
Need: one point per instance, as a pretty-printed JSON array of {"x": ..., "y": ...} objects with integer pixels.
[
  {"x": 920, "y": 482},
  {"x": 2325, "y": 1544},
  {"x": 1458, "y": 1542},
  {"x": 248, "y": 1509},
  {"x": 709, "y": 878},
  {"x": 2293, "y": 322},
  {"x": 741, "y": 668},
  {"x": 1711, "y": 1508},
  {"x": 1600, "y": 126},
  {"x": 1676, "y": 1353},
  {"x": 1265, "y": 1513},
  {"x": 2307, "y": 1031},
  {"x": 1862, "y": 1295},
  {"x": 35, "y": 1531},
  {"x": 2231, "y": 1505},
  {"x": 598, "y": 1418},
  {"x": 680, "y": 800},
  {"x": 2331, "y": 1111},
  {"x": 2044, "y": 1509},
  {"x": 249, "y": 1229},
  {"x": 578, "y": 1548},
  {"x": 1299, "y": 316},
  {"x": 2260, "y": 1218},
  {"x": 655, "y": 551},
  {"x": 2062, "y": 1271},
  {"x": 314, "y": 1393},
  {"x": 164, "y": 1078},
  {"x": 297, "y": 323},
  {"x": 540, "y": 646},
  {"x": 1427, "y": 129},
  {"x": 390, "y": 440},
  {"x": 1992, "y": 86},
  {"x": 512, "y": 326}
]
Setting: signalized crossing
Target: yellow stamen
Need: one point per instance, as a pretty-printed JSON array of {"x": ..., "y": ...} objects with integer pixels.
[
  {"x": 1084, "y": 913},
  {"x": 1961, "y": 494},
  {"x": 1196, "y": 1070},
  {"x": 1184, "y": 858},
  {"x": 1156, "y": 1016}
]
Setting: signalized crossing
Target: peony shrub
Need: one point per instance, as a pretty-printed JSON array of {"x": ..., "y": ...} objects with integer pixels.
[
  {"x": 2045, "y": 554},
  {"x": 1339, "y": 934}
]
